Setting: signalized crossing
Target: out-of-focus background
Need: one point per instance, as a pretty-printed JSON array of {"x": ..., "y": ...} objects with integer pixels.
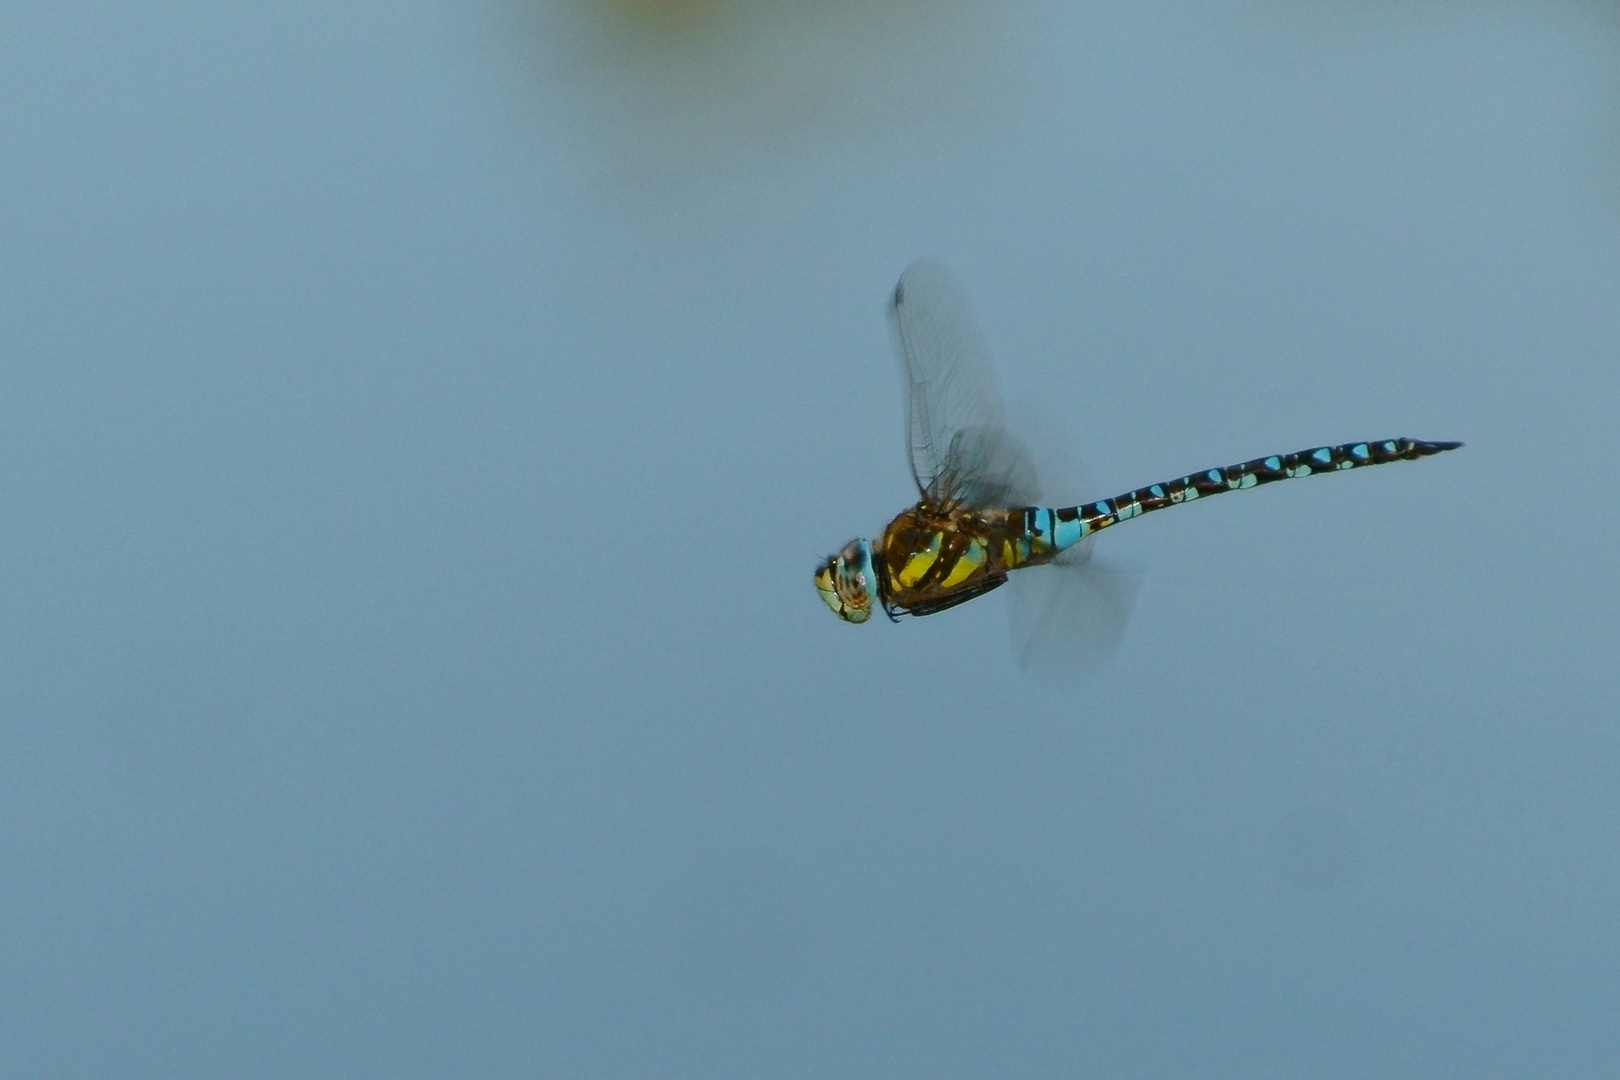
[{"x": 419, "y": 423}]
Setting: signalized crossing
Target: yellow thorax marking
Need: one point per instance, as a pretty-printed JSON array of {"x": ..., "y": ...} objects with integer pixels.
[
  {"x": 971, "y": 560},
  {"x": 918, "y": 564}
]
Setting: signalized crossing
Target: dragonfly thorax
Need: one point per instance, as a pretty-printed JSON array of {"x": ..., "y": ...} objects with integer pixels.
[{"x": 848, "y": 582}]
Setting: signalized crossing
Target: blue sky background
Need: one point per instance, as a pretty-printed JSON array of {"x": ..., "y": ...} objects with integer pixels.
[{"x": 419, "y": 422}]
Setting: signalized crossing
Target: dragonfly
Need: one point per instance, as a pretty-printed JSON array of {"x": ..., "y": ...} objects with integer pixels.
[{"x": 978, "y": 518}]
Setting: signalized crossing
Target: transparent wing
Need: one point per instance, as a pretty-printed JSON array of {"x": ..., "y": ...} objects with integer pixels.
[
  {"x": 985, "y": 466},
  {"x": 1066, "y": 617},
  {"x": 956, "y": 433}
]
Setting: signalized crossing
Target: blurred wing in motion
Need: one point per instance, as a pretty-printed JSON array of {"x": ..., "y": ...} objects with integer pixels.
[
  {"x": 959, "y": 448},
  {"x": 985, "y": 467},
  {"x": 1069, "y": 615}
]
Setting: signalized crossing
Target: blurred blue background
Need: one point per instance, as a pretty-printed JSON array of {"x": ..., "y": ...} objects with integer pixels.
[{"x": 419, "y": 423}]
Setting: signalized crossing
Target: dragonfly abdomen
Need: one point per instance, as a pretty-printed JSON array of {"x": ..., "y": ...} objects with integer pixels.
[{"x": 1048, "y": 531}]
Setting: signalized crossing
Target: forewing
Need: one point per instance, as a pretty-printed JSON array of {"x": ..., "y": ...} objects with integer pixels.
[{"x": 955, "y": 428}]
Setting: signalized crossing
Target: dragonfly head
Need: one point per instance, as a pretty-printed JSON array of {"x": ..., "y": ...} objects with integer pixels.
[{"x": 848, "y": 583}]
